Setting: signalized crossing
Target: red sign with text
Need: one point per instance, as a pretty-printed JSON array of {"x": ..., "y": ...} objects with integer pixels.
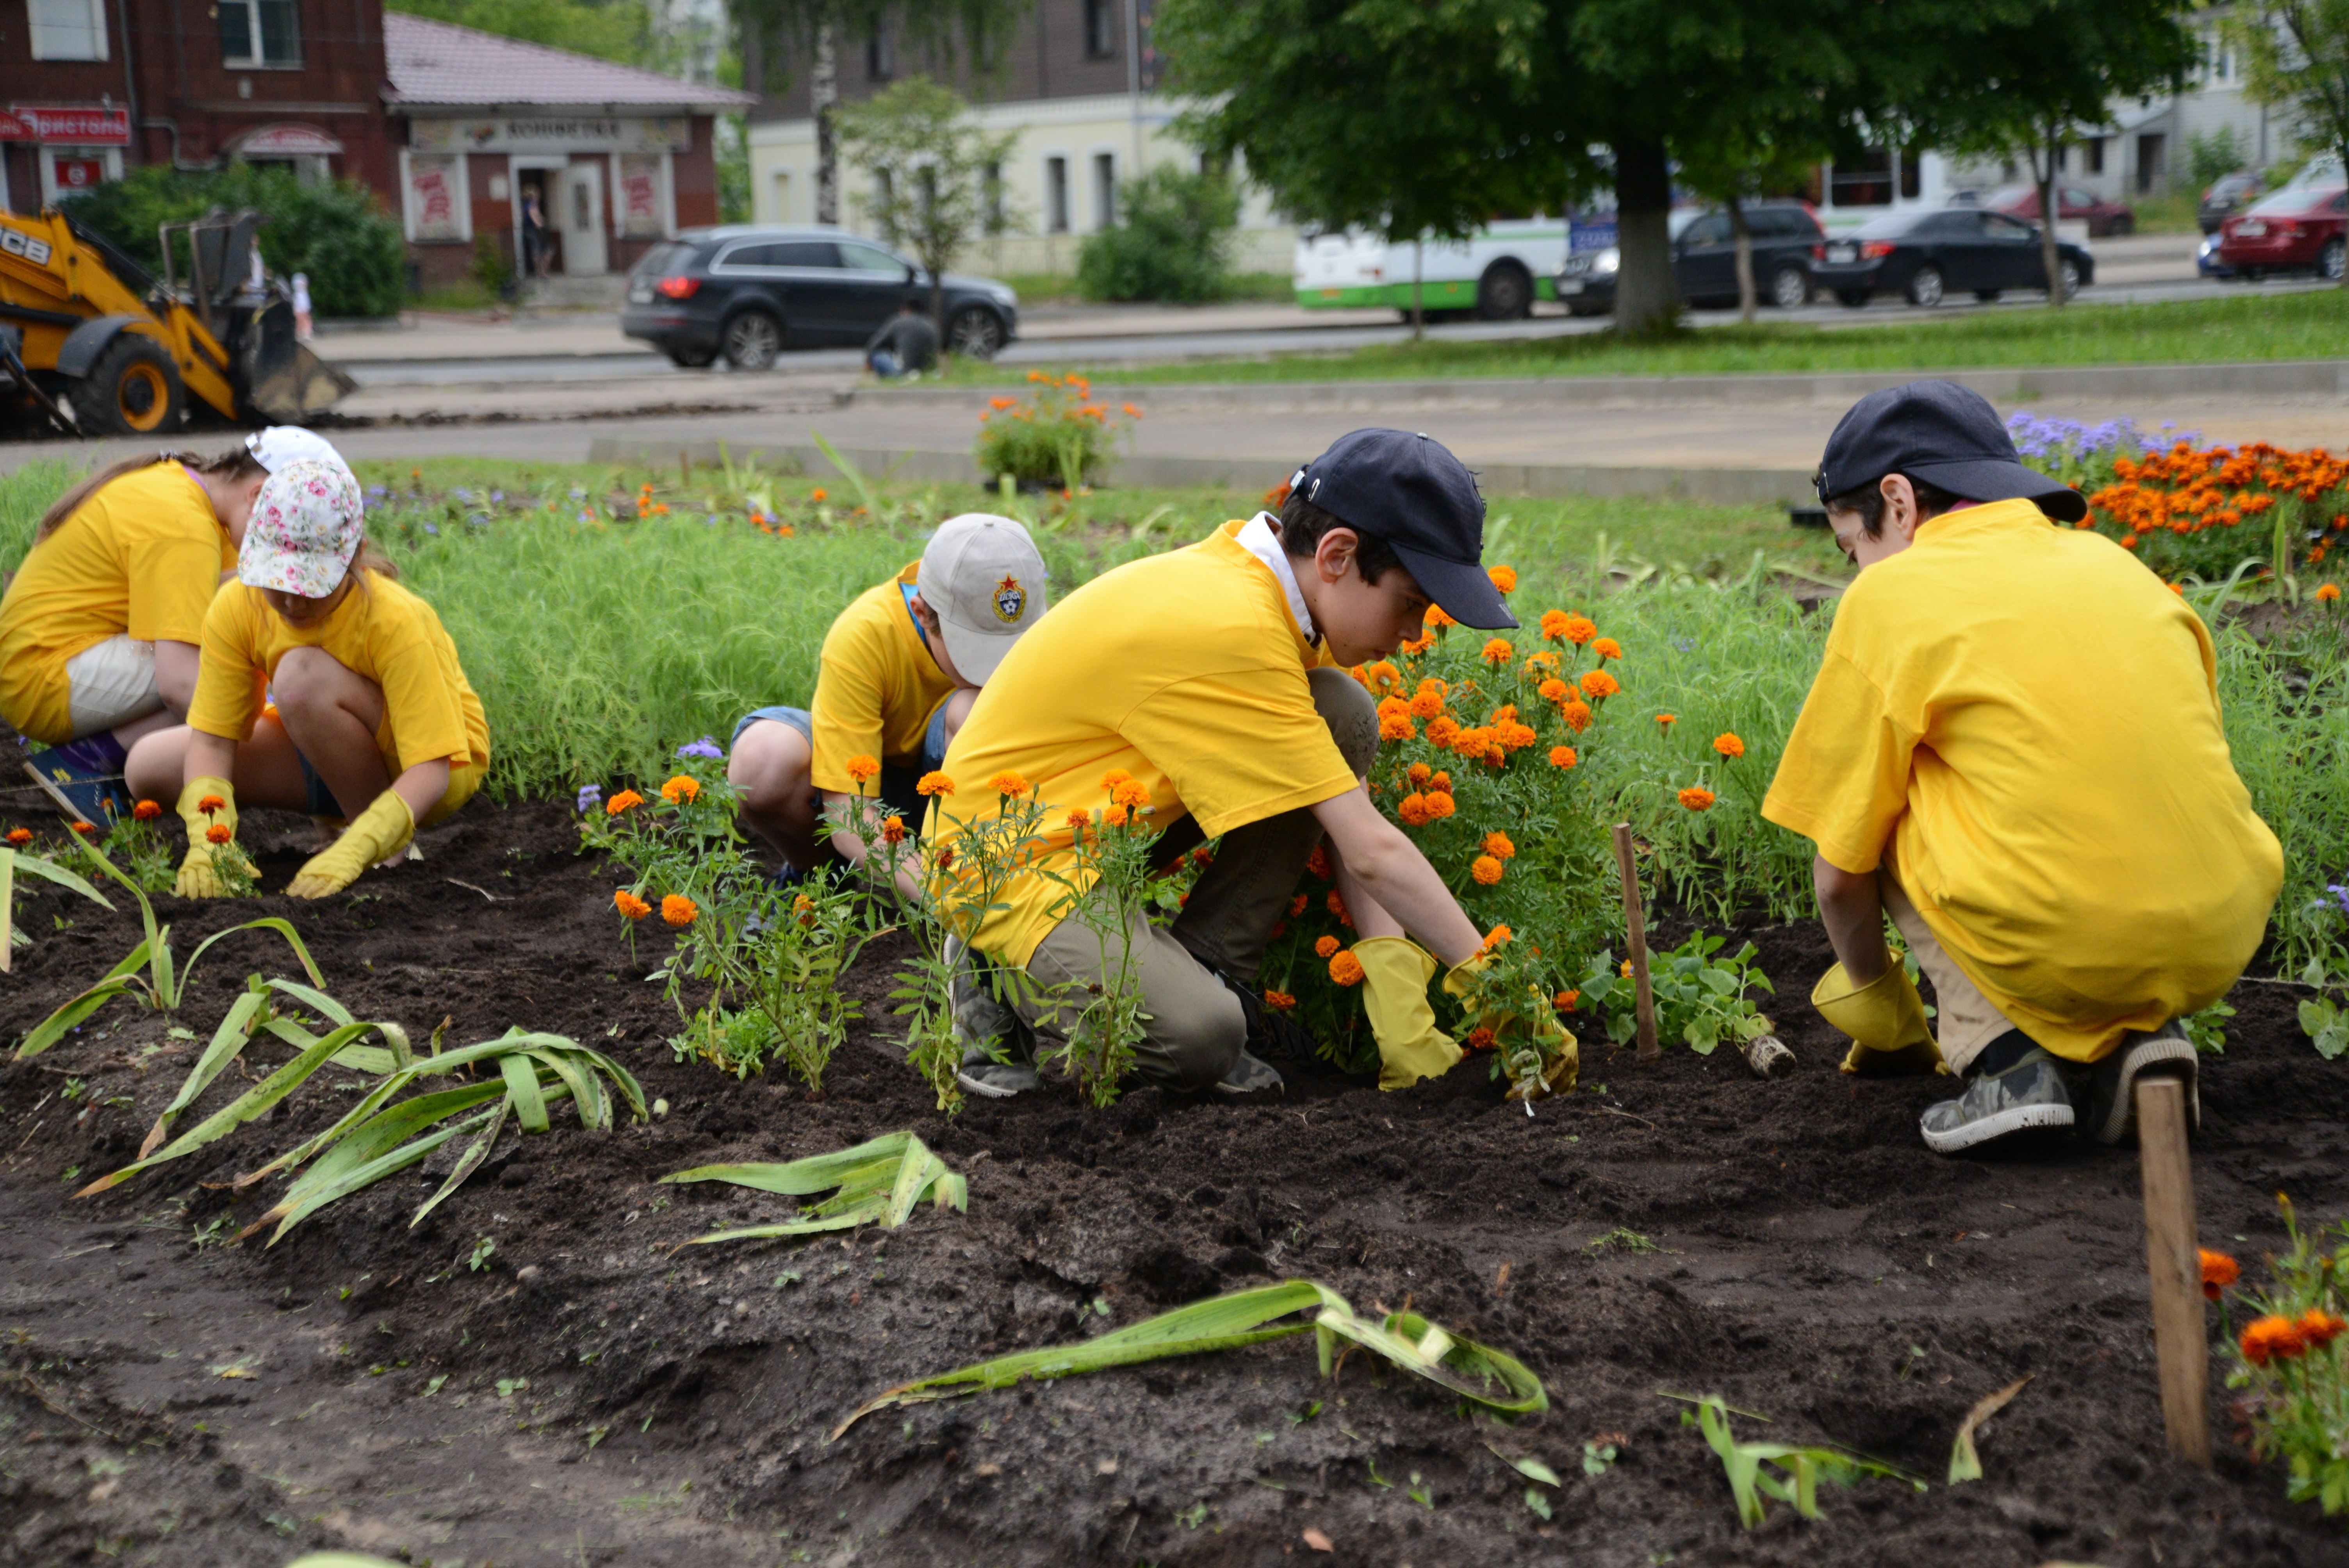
[{"x": 90, "y": 126}]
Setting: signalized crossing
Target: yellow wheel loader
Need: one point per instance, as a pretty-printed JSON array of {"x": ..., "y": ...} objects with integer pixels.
[{"x": 97, "y": 347}]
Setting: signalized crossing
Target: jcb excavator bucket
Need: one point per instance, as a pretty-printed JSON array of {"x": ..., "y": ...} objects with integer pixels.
[{"x": 283, "y": 382}]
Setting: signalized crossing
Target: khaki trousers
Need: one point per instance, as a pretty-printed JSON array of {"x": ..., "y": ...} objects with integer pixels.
[
  {"x": 1195, "y": 1026},
  {"x": 1964, "y": 1020}
]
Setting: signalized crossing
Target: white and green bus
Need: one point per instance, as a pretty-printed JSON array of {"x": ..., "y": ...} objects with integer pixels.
[{"x": 1496, "y": 273}]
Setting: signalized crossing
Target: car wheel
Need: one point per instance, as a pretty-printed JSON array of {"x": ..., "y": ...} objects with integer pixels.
[
  {"x": 752, "y": 341},
  {"x": 1988, "y": 296},
  {"x": 691, "y": 358},
  {"x": 2123, "y": 224},
  {"x": 132, "y": 390},
  {"x": 1504, "y": 293},
  {"x": 2067, "y": 272},
  {"x": 1790, "y": 288},
  {"x": 1852, "y": 298},
  {"x": 975, "y": 332},
  {"x": 1925, "y": 286},
  {"x": 2329, "y": 261}
]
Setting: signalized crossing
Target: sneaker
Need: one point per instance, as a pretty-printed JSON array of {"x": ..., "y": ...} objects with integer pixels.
[
  {"x": 89, "y": 773},
  {"x": 2026, "y": 1095},
  {"x": 2111, "y": 1082},
  {"x": 1250, "y": 1076}
]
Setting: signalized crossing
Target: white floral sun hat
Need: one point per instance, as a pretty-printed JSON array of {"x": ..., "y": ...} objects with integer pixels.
[{"x": 304, "y": 528}]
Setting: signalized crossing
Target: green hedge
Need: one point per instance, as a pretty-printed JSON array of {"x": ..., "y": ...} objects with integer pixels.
[
  {"x": 335, "y": 231},
  {"x": 1172, "y": 241}
]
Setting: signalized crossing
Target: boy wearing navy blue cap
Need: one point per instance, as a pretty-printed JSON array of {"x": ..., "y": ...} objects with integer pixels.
[{"x": 1212, "y": 679}]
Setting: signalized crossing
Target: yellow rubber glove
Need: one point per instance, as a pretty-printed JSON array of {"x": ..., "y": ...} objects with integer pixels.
[
  {"x": 207, "y": 805},
  {"x": 1556, "y": 1044},
  {"x": 375, "y": 835},
  {"x": 1395, "y": 973},
  {"x": 1886, "y": 1021}
]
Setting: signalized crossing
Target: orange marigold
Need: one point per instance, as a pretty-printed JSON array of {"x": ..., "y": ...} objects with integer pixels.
[
  {"x": 1552, "y": 689},
  {"x": 625, "y": 800},
  {"x": 1440, "y": 730},
  {"x": 1296, "y": 905},
  {"x": 1112, "y": 779},
  {"x": 1567, "y": 1001},
  {"x": 1412, "y": 810},
  {"x": 2271, "y": 1339},
  {"x": 681, "y": 789},
  {"x": 934, "y": 784},
  {"x": 2327, "y": 592},
  {"x": 1728, "y": 745},
  {"x": 679, "y": 910},
  {"x": 1696, "y": 798},
  {"x": 2320, "y": 1329},
  {"x": 861, "y": 768},
  {"x": 1397, "y": 726},
  {"x": 1346, "y": 969},
  {"x": 1080, "y": 818},
  {"x": 2219, "y": 1272},
  {"x": 1486, "y": 870},
  {"x": 1606, "y": 648},
  {"x": 1562, "y": 756},
  {"x": 210, "y": 804},
  {"x": 1317, "y": 863},
  {"x": 1480, "y": 1038},
  {"x": 630, "y": 905},
  {"x": 1419, "y": 773},
  {"x": 1498, "y": 845},
  {"x": 893, "y": 830},
  {"x": 1325, "y": 946},
  {"x": 1010, "y": 781},
  {"x": 1505, "y": 578},
  {"x": 20, "y": 835},
  {"x": 1497, "y": 652},
  {"x": 1667, "y": 720},
  {"x": 1494, "y": 938},
  {"x": 1439, "y": 804},
  {"x": 147, "y": 810},
  {"x": 1280, "y": 1001},
  {"x": 217, "y": 833},
  {"x": 1336, "y": 905},
  {"x": 1598, "y": 685},
  {"x": 1439, "y": 781},
  {"x": 1130, "y": 794},
  {"x": 1577, "y": 714},
  {"x": 1435, "y": 616},
  {"x": 1575, "y": 629}
]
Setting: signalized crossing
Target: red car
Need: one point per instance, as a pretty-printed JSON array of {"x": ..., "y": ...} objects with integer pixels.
[
  {"x": 2072, "y": 205},
  {"x": 2292, "y": 231}
]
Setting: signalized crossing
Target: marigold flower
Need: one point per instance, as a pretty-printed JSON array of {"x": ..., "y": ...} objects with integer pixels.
[
  {"x": 1436, "y": 617},
  {"x": 679, "y": 910},
  {"x": 1575, "y": 629},
  {"x": 1426, "y": 705},
  {"x": 1010, "y": 781},
  {"x": 1325, "y": 946},
  {"x": 210, "y": 804},
  {"x": 683, "y": 788},
  {"x": 217, "y": 833},
  {"x": 1497, "y": 652},
  {"x": 861, "y": 768},
  {"x": 1494, "y": 938},
  {"x": 1696, "y": 798},
  {"x": 1397, "y": 726},
  {"x": 2272, "y": 1338},
  {"x": 1567, "y": 1001},
  {"x": 999, "y": 403},
  {"x": 1598, "y": 685},
  {"x": 1115, "y": 816},
  {"x": 1498, "y": 845},
  {"x": 1480, "y": 1038},
  {"x": 1317, "y": 863},
  {"x": 1562, "y": 756},
  {"x": 1666, "y": 720},
  {"x": 625, "y": 800},
  {"x": 1080, "y": 818},
  {"x": 893, "y": 830},
  {"x": 1412, "y": 810},
  {"x": 1439, "y": 782},
  {"x": 1336, "y": 905},
  {"x": 2219, "y": 1272},
  {"x": 1552, "y": 689},
  {"x": 1441, "y": 729},
  {"x": 1577, "y": 714},
  {"x": 816, "y": 494},
  {"x": 2319, "y": 1328},
  {"x": 1418, "y": 644},
  {"x": 934, "y": 784},
  {"x": 630, "y": 905},
  {"x": 1346, "y": 969},
  {"x": 1130, "y": 412},
  {"x": 1627, "y": 969},
  {"x": 1606, "y": 648},
  {"x": 1728, "y": 745},
  {"x": 1439, "y": 804},
  {"x": 1131, "y": 794},
  {"x": 1486, "y": 870},
  {"x": 1280, "y": 1001},
  {"x": 147, "y": 810},
  {"x": 20, "y": 835},
  {"x": 1473, "y": 743},
  {"x": 1553, "y": 624},
  {"x": 2327, "y": 592},
  {"x": 1514, "y": 736},
  {"x": 1505, "y": 578}
]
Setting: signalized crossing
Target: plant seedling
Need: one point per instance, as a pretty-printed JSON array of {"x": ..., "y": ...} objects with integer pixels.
[
  {"x": 482, "y": 1250},
  {"x": 1804, "y": 1467},
  {"x": 880, "y": 1183}
]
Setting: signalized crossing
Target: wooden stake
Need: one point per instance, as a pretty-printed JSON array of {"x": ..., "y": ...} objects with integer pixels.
[
  {"x": 2179, "y": 1338},
  {"x": 1635, "y": 930}
]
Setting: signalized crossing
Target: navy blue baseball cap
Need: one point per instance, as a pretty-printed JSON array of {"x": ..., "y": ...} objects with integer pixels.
[
  {"x": 1422, "y": 500},
  {"x": 1944, "y": 434}
]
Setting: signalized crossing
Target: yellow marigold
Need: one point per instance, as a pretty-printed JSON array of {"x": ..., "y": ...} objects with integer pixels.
[
  {"x": 1439, "y": 804},
  {"x": 1497, "y": 652},
  {"x": 681, "y": 789},
  {"x": 893, "y": 830},
  {"x": 217, "y": 833},
  {"x": 1494, "y": 938},
  {"x": 934, "y": 784},
  {"x": 147, "y": 810},
  {"x": 1486, "y": 870},
  {"x": 1697, "y": 798},
  {"x": 1562, "y": 756},
  {"x": 1010, "y": 781},
  {"x": 862, "y": 768},
  {"x": 1498, "y": 845},
  {"x": 625, "y": 800},
  {"x": 1576, "y": 715},
  {"x": 1606, "y": 648},
  {"x": 1346, "y": 969},
  {"x": 630, "y": 905},
  {"x": 1325, "y": 946},
  {"x": 679, "y": 910},
  {"x": 1505, "y": 578},
  {"x": 1728, "y": 745},
  {"x": 1598, "y": 684}
]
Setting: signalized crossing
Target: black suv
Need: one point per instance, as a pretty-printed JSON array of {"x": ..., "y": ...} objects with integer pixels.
[
  {"x": 1786, "y": 242},
  {"x": 747, "y": 293}
]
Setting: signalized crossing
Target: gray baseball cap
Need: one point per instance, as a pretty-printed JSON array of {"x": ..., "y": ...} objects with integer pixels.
[{"x": 981, "y": 576}]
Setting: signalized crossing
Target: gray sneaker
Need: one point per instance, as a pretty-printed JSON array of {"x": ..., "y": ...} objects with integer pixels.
[
  {"x": 2111, "y": 1082},
  {"x": 2028, "y": 1095},
  {"x": 1251, "y": 1076}
]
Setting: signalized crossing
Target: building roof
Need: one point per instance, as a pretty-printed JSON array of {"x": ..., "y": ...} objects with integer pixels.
[{"x": 440, "y": 63}]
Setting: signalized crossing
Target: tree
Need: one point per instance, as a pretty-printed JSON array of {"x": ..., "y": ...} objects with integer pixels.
[
  {"x": 1172, "y": 240},
  {"x": 2296, "y": 54},
  {"x": 929, "y": 161}
]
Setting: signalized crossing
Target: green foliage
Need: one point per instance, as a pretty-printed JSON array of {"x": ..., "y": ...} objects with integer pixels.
[
  {"x": 732, "y": 148},
  {"x": 337, "y": 231},
  {"x": 1800, "y": 1468},
  {"x": 492, "y": 269},
  {"x": 1700, "y": 997},
  {"x": 1172, "y": 240},
  {"x": 1056, "y": 435},
  {"x": 878, "y": 1182},
  {"x": 2296, "y": 1398},
  {"x": 2213, "y": 156},
  {"x": 925, "y": 157},
  {"x": 609, "y": 29},
  {"x": 2295, "y": 55}
]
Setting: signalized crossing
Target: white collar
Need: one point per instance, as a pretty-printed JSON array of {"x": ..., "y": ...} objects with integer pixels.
[{"x": 1258, "y": 537}]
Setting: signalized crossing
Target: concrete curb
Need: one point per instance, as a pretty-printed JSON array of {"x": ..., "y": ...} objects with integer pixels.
[{"x": 1722, "y": 487}]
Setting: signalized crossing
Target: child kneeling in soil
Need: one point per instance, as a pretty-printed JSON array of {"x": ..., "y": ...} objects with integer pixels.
[
  {"x": 1207, "y": 685},
  {"x": 99, "y": 629},
  {"x": 899, "y": 671},
  {"x": 373, "y": 721},
  {"x": 2012, "y": 749}
]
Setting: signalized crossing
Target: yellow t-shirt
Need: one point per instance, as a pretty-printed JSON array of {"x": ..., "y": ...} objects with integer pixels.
[
  {"x": 380, "y": 630},
  {"x": 2028, "y": 720},
  {"x": 1186, "y": 670},
  {"x": 876, "y": 687},
  {"x": 141, "y": 556}
]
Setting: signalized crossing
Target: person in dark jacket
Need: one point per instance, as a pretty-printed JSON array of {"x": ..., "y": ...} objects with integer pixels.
[{"x": 904, "y": 346}]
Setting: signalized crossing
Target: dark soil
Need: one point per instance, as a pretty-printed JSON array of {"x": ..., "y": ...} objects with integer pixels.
[{"x": 590, "y": 1395}]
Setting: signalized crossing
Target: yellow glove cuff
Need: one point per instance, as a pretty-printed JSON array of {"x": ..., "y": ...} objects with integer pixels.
[
  {"x": 376, "y": 834},
  {"x": 1461, "y": 978},
  {"x": 199, "y": 872},
  {"x": 1884, "y": 1019},
  {"x": 1395, "y": 973}
]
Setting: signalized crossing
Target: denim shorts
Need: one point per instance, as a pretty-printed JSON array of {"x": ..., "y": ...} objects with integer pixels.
[{"x": 896, "y": 783}]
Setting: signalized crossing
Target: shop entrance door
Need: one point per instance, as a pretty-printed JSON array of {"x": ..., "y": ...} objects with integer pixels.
[{"x": 583, "y": 222}]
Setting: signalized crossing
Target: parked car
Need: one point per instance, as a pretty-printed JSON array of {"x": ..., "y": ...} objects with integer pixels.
[
  {"x": 2226, "y": 196},
  {"x": 1927, "y": 254},
  {"x": 1787, "y": 242},
  {"x": 2072, "y": 205},
  {"x": 2206, "y": 264},
  {"x": 2295, "y": 230},
  {"x": 748, "y": 292}
]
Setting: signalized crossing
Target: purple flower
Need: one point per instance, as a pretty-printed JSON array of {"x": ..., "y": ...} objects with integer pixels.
[
  {"x": 429, "y": 529},
  {"x": 2340, "y": 895},
  {"x": 705, "y": 747},
  {"x": 590, "y": 797}
]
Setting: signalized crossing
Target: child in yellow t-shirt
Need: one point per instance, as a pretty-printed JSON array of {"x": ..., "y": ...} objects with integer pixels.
[{"x": 373, "y": 720}]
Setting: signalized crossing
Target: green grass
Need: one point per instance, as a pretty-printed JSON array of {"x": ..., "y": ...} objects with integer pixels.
[{"x": 2313, "y": 326}]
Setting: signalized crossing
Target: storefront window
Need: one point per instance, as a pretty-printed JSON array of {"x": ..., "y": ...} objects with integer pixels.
[{"x": 260, "y": 33}]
